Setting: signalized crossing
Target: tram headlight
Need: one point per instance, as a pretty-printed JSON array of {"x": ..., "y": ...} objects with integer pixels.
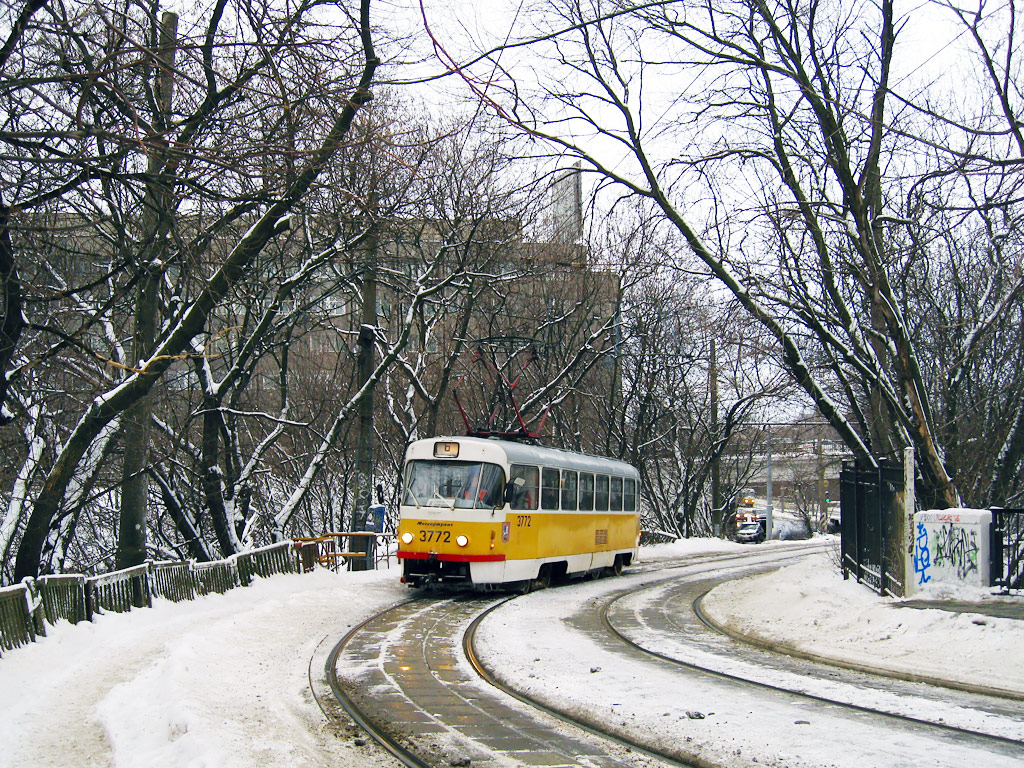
[
  {"x": 461, "y": 540},
  {"x": 407, "y": 538}
]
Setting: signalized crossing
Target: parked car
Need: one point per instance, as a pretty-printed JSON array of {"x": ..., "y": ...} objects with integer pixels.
[{"x": 750, "y": 532}]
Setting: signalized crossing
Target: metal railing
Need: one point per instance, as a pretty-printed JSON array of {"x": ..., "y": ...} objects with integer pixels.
[
  {"x": 63, "y": 598},
  {"x": 16, "y": 622},
  {"x": 1007, "y": 548},
  {"x": 119, "y": 591},
  {"x": 173, "y": 580},
  {"x": 871, "y": 525},
  {"x": 332, "y": 550}
]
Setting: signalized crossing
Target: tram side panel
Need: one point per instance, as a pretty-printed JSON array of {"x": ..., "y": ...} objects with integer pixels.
[{"x": 511, "y": 545}]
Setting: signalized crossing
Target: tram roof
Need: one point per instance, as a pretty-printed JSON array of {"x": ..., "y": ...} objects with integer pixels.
[{"x": 527, "y": 453}]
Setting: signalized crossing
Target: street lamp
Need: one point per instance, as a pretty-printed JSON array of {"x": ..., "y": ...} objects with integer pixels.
[{"x": 768, "y": 496}]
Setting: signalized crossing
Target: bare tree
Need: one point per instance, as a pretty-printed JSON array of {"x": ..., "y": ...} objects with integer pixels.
[
  {"x": 219, "y": 89},
  {"x": 771, "y": 137},
  {"x": 697, "y": 386}
]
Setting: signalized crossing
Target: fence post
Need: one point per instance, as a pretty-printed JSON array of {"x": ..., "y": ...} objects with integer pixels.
[
  {"x": 90, "y": 600},
  {"x": 909, "y": 507},
  {"x": 34, "y": 602},
  {"x": 883, "y": 529}
]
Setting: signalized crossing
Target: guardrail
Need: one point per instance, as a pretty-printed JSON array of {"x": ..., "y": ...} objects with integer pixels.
[{"x": 27, "y": 608}]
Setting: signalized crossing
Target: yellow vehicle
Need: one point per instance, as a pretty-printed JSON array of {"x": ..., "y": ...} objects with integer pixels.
[{"x": 499, "y": 514}]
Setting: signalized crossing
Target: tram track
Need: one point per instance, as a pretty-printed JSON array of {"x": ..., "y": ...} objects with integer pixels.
[
  {"x": 428, "y": 713},
  {"x": 585, "y": 725},
  {"x": 893, "y": 687},
  {"x": 457, "y": 720},
  {"x": 410, "y": 753}
]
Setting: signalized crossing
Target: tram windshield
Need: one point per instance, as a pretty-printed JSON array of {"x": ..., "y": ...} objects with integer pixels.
[{"x": 459, "y": 484}]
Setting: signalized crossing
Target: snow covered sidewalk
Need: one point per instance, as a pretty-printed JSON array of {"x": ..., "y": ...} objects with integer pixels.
[
  {"x": 809, "y": 608},
  {"x": 218, "y": 682}
]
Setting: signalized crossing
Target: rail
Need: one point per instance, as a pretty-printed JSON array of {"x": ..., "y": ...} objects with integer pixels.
[{"x": 331, "y": 550}]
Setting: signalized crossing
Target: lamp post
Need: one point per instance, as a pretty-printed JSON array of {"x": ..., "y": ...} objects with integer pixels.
[{"x": 768, "y": 497}]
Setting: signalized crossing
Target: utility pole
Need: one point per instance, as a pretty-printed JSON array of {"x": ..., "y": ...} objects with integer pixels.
[
  {"x": 768, "y": 498},
  {"x": 717, "y": 513},
  {"x": 822, "y": 482},
  {"x": 365, "y": 363}
]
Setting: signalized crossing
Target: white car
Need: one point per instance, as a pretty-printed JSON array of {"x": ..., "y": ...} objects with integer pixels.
[{"x": 750, "y": 532}]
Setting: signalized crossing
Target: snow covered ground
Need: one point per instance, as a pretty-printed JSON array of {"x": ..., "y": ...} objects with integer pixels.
[
  {"x": 808, "y": 607},
  {"x": 223, "y": 681}
]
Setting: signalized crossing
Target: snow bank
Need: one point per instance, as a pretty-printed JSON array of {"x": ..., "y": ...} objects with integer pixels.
[
  {"x": 810, "y": 608},
  {"x": 217, "y": 682}
]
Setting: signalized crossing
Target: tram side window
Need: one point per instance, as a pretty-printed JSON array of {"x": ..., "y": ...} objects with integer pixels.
[
  {"x": 586, "y": 491},
  {"x": 525, "y": 486},
  {"x": 550, "y": 487},
  {"x": 601, "y": 494},
  {"x": 616, "y": 494},
  {"x": 569, "y": 482},
  {"x": 629, "y": 496}
]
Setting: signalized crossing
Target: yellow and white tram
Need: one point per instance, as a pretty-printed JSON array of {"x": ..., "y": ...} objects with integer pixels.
[{"x": 497, "y": 514}]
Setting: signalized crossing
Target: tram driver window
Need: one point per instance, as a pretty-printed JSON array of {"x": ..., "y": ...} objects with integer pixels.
[
  {"x": 525, "y": 483},
  {"x": 492, "y": 481},
  {"x": 601, "y": 494},
  {"x": 550, "y": 488}
]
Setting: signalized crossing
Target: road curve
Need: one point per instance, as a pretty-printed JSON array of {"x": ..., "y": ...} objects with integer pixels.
[
  {"x": 403, "y": 677},
  {"x": 679, "y": 687},
  {"x": 630, "y": 658}
]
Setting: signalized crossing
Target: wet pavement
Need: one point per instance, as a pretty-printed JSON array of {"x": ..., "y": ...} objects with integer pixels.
[
  {"x": 405, "y": 673},
  {"x": 1010, "y": 607}
]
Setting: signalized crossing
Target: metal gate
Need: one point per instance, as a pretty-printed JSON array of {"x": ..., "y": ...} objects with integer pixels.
[
  {"x": 1007, "y": 548},
  {"x": 872, "y": 525}
]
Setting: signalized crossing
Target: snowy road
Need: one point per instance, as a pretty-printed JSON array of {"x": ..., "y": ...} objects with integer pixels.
[
  {"x": 223, "y": 681},
  {"x": 552, "y": 647}
]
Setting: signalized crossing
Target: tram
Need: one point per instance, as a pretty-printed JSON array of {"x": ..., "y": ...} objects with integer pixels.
[{"x": 488, "y": 513}]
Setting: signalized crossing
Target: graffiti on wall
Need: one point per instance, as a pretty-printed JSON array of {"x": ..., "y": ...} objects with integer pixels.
[
  {"x": 951, "y": 546},
  {"x": 956, "y": 547},
  {"x": 922, "y": 555}
]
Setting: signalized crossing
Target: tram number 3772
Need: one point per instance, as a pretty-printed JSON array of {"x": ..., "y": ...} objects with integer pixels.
[{"x": 494, "y": 514}]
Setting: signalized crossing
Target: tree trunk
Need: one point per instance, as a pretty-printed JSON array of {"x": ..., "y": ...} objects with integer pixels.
[
  {"x": 12, "y": 320},
  {"x": 131, "y": 534}
]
